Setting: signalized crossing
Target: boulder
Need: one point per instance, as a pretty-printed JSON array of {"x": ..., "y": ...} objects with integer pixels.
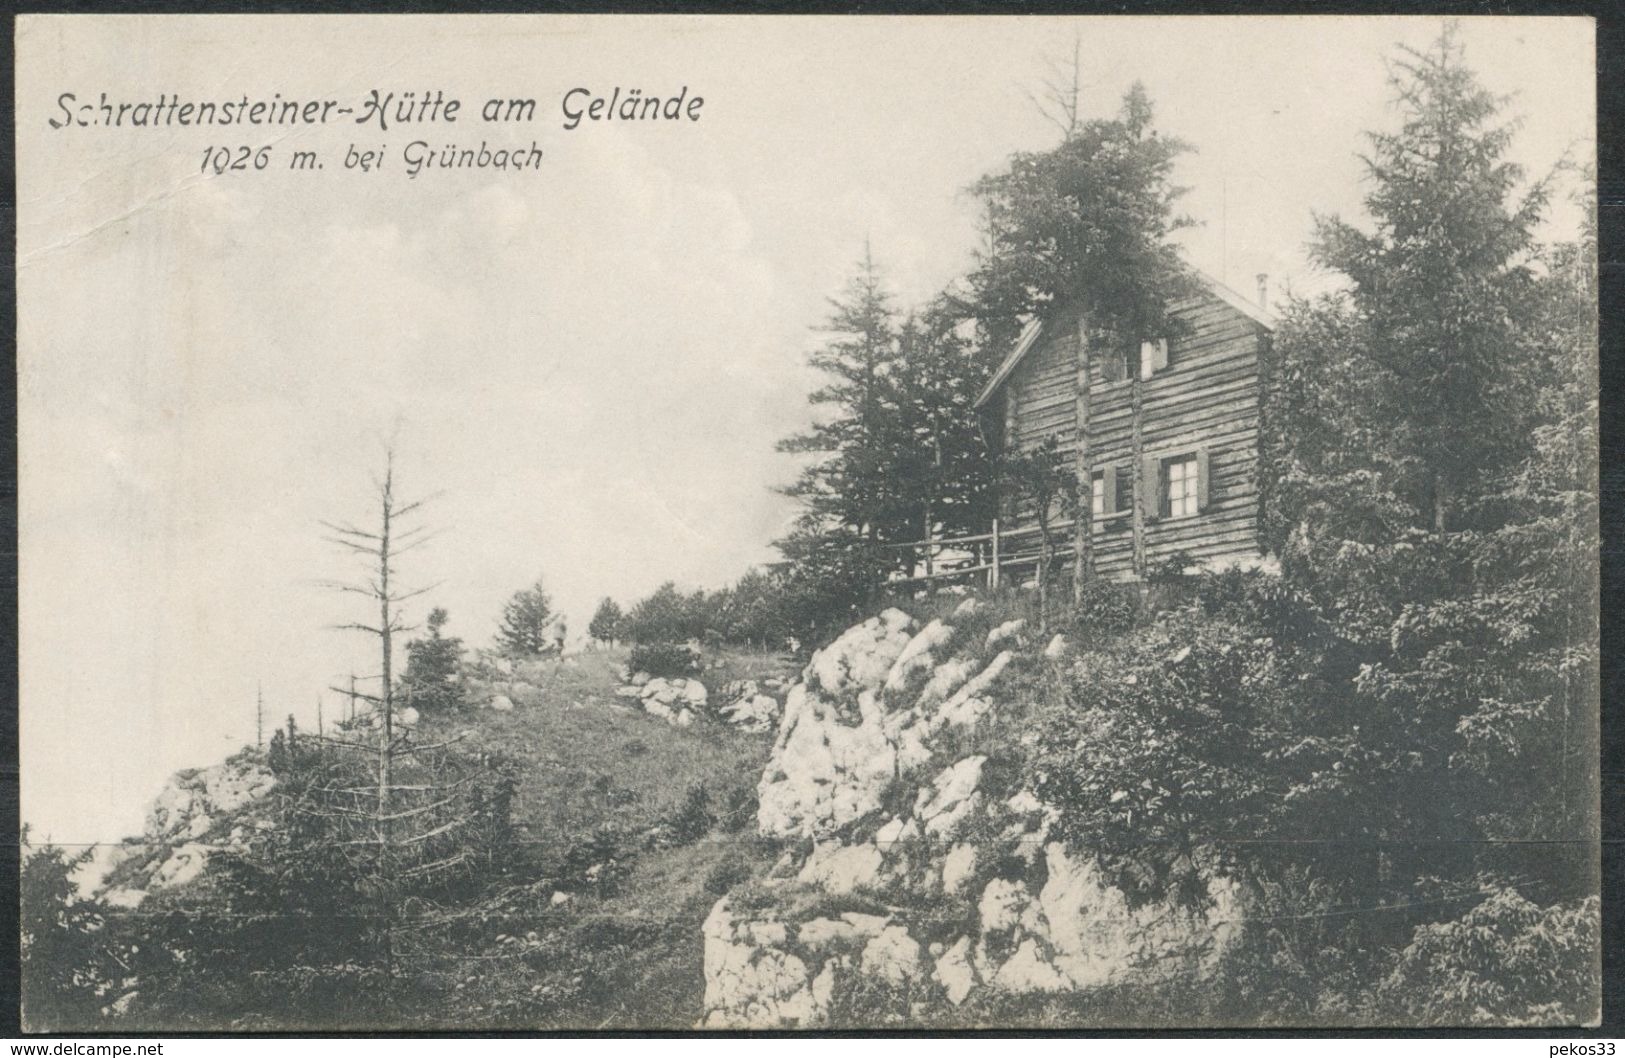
[
  {"x": 893, "y": 956},
  {"x": 501, "y": 703},
  {"x": 1007, "y": 630},
  {"x": 757, "y": 714}
]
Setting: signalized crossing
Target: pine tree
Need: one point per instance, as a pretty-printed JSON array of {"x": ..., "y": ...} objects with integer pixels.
[
  {"x": 430, "y": 681},
  {"x": 1428, "y": 464},
  {"x": 661, "y": 617},
  {"x": 941, "y": 464},
  {"x": 850, "y": 490},
  {"x": 1084, "y": 237},
  {"x": 1442, "y": 279},
  {"x": 526, "y": 619},
  {"x": 68, "y": 960},
  {"x": 605, "y": 625}
]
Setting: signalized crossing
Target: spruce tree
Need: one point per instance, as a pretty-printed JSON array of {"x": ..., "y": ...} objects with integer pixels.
[
  {"x": 1442, "y": 280},
  {"x": 430, "y": 681},
  {"x": 1428, "y": 465},
  {"x": 1083, "y": 236},
  {"x": 605, "y": 625},
  {"x": 525, "y": 623},
  {"x": 851, "y": 485}
]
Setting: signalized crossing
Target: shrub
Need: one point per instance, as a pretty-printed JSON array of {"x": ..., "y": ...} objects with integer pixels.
[
  {"x": 1105, "y": 608},
  {"x": 725, "y": 875},
  {"x": 596, "y": 863},
  {"x": 1160, "y": 753},
  {"x": 664, "y": 659},
  {"x": 694, "y": 818},
  {"x": 1507, "y": 961},
  {"x": 740, "y": 811},
  {"x": 1171, "y": 570}
]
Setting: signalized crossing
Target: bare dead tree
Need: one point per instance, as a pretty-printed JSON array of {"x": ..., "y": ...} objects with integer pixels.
[
  {"x": 1059, "y": 97},
  {"x": 380, "y": 547}
]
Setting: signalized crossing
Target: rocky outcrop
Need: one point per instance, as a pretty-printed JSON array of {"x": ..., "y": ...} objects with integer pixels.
[
  {"x": 192, "y": 799},
  {"x": 198, "y": 811},
  {"x": 915, "y": 866}
]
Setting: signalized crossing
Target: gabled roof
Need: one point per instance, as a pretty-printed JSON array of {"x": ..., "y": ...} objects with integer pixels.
[{"x": 1034, "y": 330}]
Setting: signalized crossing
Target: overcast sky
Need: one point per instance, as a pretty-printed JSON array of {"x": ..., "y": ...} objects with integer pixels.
[{"x": 590, "y": 364}]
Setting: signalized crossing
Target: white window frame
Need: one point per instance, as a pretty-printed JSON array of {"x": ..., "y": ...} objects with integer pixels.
[{"x": 1181, "y": 494}]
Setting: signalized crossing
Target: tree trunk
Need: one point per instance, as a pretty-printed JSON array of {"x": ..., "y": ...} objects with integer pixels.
[
  {"x": 1083, "y": 550},
  {"x": 1043, "y": 571},
  {"x": 1137, "y": 459},
  {"x": 387, "y": 695}
]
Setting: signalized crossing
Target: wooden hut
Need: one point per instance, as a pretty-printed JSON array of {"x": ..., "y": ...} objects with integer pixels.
[{"x": 1198, "y": 418}]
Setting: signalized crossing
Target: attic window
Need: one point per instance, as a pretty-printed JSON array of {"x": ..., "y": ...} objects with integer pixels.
[
  {"x": 1149, "y": 358},
  {"x": 1153, "y": 357}
]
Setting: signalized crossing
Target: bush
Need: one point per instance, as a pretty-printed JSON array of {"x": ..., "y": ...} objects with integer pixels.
[
  {"x": 694, "y": 818},
  {"x": 596, "y": 863},
  {"x": 1105, "y": 608},
  {"x": 664, "y": 659},
  {"x": 1508, "y": 961},
  {"x": 741, "y": 808},
  {"x": 1162, "y": 751},
  {"x": 725, "y": 875}
]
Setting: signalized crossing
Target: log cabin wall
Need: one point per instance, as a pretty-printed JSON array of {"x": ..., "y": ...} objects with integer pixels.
[{"x": 1204, "y": 404}]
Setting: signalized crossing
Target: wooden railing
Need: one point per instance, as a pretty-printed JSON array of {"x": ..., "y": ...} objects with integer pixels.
[{"x": 1007, "y": 549}]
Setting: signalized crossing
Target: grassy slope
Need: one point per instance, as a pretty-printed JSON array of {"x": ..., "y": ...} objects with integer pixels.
[{"x": 628, "y": 953}]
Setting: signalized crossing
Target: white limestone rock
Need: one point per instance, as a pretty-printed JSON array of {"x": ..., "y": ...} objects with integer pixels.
[
  {"x": 862, "y": 656},
  {"x": 954, "y": 971},
  {"x": 841, "y": 869},
  {"x": 1009, "y": 629},
  {"x": 758, "y": 713},
  {"x": 951, "y": 797},
  {"x": 893, "y": 956},
  {"x": 958, "y": 867},
  {"x": 919, "y": 654},
  {"x": 184, "y": 864}
]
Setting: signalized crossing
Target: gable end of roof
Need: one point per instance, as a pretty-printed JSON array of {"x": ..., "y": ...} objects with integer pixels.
[{"x": 1030, "y": 335}]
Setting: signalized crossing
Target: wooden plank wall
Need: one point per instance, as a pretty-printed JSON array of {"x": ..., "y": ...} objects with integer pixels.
[{"x": 1207, "y": 398}]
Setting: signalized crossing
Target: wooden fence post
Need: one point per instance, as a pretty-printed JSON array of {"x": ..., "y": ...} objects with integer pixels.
[
  {"x": 993, "y": 569},
  {"x": 930, "y": 564}
]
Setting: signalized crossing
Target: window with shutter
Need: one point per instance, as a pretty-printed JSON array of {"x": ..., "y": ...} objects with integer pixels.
[
  {"x": 1182, "y": 480},
  {"x": 1108, "y": 485}
]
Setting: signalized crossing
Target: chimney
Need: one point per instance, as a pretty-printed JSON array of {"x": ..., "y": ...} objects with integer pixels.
[{"x": 1263, "y": 290}]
